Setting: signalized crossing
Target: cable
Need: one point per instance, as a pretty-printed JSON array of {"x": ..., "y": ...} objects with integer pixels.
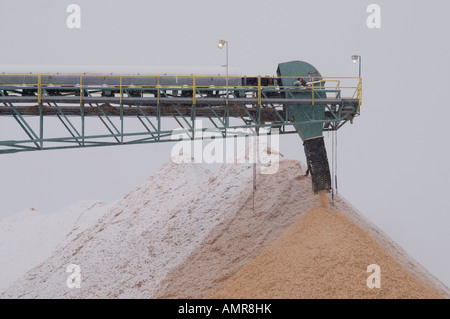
[
  {"x": 255, "y": 158},
  {"x": 332, "y": 163},
  {"x": 336, "y": 162},
  {"x": 254, "y": 184}
]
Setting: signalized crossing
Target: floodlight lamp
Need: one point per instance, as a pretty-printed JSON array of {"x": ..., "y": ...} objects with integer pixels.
[
  {"x": 355, "y": 58},
  {"x": 221, "y": 44}
]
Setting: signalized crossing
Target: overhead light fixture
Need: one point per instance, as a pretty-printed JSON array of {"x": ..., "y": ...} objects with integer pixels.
[
  {"x": 356, "y": 58},
  {"x": 221, "y": 44}
]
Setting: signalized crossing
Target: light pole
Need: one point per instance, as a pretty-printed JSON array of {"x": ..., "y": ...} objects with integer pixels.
[
  {"x": 356, "y": 58},
  {"x": 220, "y": 45}
]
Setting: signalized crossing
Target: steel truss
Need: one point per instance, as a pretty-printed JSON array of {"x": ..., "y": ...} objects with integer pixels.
[{"x": 258, "y": 107}]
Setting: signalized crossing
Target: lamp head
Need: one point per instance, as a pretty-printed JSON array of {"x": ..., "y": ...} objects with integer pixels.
[
  {"x": 355, "y": 58},
  {"x": 221, "y": 44}
]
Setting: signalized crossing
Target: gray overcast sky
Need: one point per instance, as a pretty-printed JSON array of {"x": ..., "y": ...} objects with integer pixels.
[{"x": 393, "y": 161}]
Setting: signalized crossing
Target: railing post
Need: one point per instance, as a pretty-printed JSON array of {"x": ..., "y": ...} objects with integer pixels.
[
  {"x": 157, "y": 90},
  {"x": 194, "y": 102},
  {"x": 120, "y": 88},
  {"x": 81, "y": 89},
  {"x": 193, "y": 91},
  {"x": 39, "y": 89},
  {"x": 360, "y": 91},
  {"x": 121, "y": 111},
  {"x": 259, "y": 90}
]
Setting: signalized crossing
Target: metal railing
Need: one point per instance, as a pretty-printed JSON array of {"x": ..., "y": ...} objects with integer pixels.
[{"x": 331, "y": 87}]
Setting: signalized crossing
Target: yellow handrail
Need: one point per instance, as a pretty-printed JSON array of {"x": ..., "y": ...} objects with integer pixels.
[
  {"x": 121, "y": 90},
  {"x": 39, "y": 90},
  {"x": 345, "y": 85},
  {"x": 194, "y": 90},
  {"x": 259, "y": 90},
  {"x": 81, "y": 89},
  {"x": 158, "y": 87}
]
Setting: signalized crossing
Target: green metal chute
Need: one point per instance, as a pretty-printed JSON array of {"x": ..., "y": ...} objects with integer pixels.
[
  {"x": 301, "y": 80},
  {"x": 290, "y": 72}
]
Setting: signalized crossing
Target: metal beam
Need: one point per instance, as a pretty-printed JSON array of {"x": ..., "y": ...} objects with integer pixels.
[
  {"x": 257, "y": 106},
  {"x": 171, "y": 100}
]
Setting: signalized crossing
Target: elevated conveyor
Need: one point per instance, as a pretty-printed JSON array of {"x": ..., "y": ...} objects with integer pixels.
[{"x": 281, "y": 101}]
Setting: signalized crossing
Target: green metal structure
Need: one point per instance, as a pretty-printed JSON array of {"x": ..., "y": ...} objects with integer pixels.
[
  {"x": 323, "y": 104},
  {"x": 309, "y": 116}
]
